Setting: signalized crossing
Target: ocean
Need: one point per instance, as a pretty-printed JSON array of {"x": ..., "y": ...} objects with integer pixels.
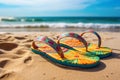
[{"x": 61, "y": 22}]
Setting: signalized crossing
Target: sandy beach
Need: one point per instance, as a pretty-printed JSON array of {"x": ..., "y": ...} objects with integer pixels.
[{"x": 18, "y": 62}]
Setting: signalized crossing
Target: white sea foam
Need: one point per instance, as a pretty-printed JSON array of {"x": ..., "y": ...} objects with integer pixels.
[
  {"x": 9, "y": 18},
  {"x": 61, "y": 25}
]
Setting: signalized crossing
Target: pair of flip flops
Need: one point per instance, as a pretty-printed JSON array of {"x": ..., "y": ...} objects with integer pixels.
[{"x": 74, "y": 55}]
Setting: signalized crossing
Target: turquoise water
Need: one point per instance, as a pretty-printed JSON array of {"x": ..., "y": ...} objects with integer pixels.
[
  {"x": 63, "y": 22},
  {"x": 110, "y": 20}
]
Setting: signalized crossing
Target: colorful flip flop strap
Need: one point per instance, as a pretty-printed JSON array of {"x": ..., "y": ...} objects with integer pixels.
[
  {"x": 50, "y": 42},
  {"x": 98, "y": 36},
  {"x": 74, "y": 35}
]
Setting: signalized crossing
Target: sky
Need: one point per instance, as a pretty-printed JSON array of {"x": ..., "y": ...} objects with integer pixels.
[{"x": 60, "y": 8}]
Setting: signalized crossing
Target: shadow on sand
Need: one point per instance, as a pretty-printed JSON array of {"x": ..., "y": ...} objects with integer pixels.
[
  {"x": 99, "y": 67},
  {"x": 113, "y": 55}
]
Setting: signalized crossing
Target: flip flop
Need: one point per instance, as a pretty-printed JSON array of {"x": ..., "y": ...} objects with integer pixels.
[
  {"x": 68, "y": 57},
  {"x": 97, "y": 50}
]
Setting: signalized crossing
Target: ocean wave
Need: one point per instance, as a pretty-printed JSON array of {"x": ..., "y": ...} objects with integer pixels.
[
  {"x": 60, "y": 25},
  {"x": 112, "y": 20},
  {"x": 19, "y": 19},
  {"x": 7, "y": 19}
]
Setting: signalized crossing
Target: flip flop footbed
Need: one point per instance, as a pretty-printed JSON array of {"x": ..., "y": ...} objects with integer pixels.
[{"x": 73, "y": 56}]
